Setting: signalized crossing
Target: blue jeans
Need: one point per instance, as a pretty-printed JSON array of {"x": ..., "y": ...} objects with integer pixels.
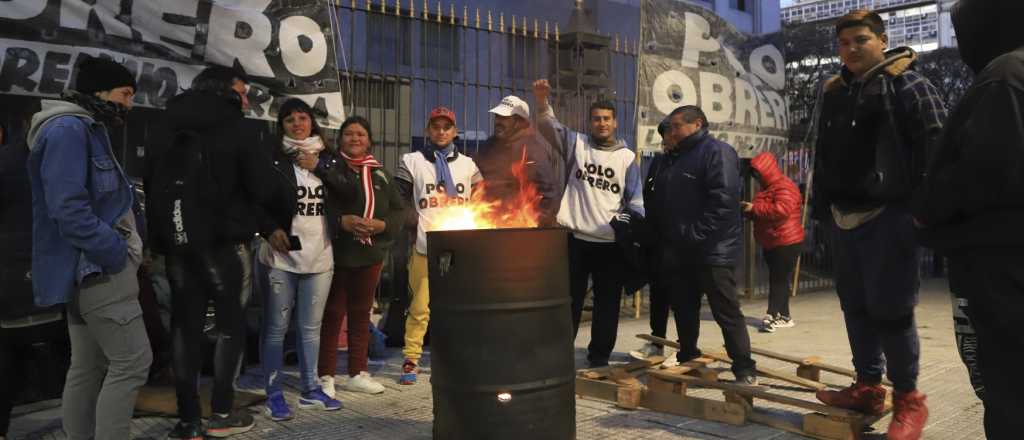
[{"x": 283, "y": 288}]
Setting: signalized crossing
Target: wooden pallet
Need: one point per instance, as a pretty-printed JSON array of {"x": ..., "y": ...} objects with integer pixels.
[
  {"x": 761, "y": 371},
  {"x": 810, "y": 367},
  {"x": 666, "y": 390}
]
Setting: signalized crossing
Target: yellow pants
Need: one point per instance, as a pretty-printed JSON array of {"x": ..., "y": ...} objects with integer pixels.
[{"x": 419, "y": 307}]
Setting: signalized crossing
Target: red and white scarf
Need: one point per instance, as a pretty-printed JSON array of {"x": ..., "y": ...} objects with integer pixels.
[{"x": 366, "y": 164}]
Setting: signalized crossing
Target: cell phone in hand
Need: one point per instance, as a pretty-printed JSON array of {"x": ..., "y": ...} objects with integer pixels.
[{"x": 293, "y": 243}]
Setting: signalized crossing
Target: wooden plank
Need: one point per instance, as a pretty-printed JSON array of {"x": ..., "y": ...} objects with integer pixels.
[
  {"x": 758, "y": 393},
  {"x": 812, "y": 361},
  {"x": 603, "y": 372},
  {"x": 809, "y": 372},
  {"x": 597, "y": 389},
  {"x": 629, "y": 397},
  {"x": 824, "y": 427},
  {"x": 762, "y": 371},
  {"x": 688, "y": 406}
]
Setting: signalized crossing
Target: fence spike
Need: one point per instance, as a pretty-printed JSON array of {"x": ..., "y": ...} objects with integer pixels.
[
  {"x": 490, "y": 22},
  {"x": 412, "y": 8},
  {"x": 465, "y": 15},
  {"x": 477, "y": 23},
  {"x": 451, "y": 13},
  {"x": 501, "y": 22},
  {"x": 353, "y": 4},
  {"x": 545, "y": 29},
  {"x": 426, "y": 10},
  {"x": 369, "y": 5},
  {"x": 616, "y": 41},
  {"x": 513, "y": 24},
  {"x": 556, "y": 33},
  {"x": 536, "y": 28},
  {"x": 438, "y": 11},
  {"x": 398, "y": 7}
]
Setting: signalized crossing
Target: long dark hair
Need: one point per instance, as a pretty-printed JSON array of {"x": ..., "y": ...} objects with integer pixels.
[
  {"x": 293, "y": 105},
  {"x": 355, "y": 120}
]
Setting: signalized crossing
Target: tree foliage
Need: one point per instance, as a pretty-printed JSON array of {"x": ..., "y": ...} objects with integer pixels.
[
  {"x": 947, "y": 71},
  {"x": 810, "y": 54}
]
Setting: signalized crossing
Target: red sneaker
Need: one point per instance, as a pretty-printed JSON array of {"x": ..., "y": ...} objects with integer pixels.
[
  {"x": 409, "y": 372},
  {"x": 909, "y": 416},
  {"x": 861, "y": 397}
]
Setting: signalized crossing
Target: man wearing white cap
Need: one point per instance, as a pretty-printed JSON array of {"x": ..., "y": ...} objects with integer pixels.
[
  {"x": 513, "y": 133},
  {"x": 603, "y": 181}
]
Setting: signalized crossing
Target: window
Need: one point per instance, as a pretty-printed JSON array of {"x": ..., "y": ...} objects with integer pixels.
[
  {"x": 739, "y": 5},
  {"x": 389, "y": 40},
  {"x": 439, "y": 45}
]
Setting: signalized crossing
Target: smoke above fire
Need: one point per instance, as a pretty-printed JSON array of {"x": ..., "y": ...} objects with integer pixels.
[{"x": 522, "y": 210}]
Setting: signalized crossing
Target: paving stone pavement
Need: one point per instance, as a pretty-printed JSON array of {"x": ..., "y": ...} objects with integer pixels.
[{"x": 405, "y": 412}]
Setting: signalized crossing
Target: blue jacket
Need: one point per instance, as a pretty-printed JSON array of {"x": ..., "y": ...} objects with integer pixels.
[
  {"x": 79, "y": 191},
  {"x": 692, "y": 195}
]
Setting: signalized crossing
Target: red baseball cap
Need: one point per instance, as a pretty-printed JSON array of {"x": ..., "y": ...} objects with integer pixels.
[{"x": 442, "y": 112}]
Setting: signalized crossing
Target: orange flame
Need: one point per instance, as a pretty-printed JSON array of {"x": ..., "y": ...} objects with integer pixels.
[{"x": 520, "y": 211}]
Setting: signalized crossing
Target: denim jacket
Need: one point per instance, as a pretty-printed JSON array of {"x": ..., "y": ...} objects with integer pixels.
[{"x": 79, "y": 192}]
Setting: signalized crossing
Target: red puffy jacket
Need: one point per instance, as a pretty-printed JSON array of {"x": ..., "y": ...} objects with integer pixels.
[{"x": 776, "y": 212}]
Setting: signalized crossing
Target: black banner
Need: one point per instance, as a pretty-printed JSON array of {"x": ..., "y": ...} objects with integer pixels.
[
  {"x": 690, "y": 56},
  {"x": 286, "y": 47}
]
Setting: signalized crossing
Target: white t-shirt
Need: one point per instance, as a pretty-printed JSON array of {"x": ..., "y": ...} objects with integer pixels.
[
  {"x": 430, "y": 198},
  {"x": 310, "y": 225}
]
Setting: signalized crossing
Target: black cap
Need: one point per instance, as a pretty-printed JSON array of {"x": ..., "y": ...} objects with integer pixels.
[
  {"x": 664, "y": 126},
  {"x": 100, "y": 74}
]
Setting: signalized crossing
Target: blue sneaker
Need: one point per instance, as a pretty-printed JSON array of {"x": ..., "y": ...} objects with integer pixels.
[
  {"x": 317, "y": 399},
  {"x": 277, "y": 408}
]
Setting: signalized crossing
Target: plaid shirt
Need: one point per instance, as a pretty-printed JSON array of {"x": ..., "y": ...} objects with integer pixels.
[{"x": 921, "y": 114}]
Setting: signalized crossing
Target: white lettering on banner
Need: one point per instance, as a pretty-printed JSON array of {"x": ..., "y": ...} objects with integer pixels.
[
  {"x": 300, "y": 61},
  {"x": 74, "y": 14},
  {"x": 240, "y": 31},
  {"x": 716, "y": 97},
  {"x": 22, "y": 9},
  {"x": 148, "y": 17},
  {"x": 672, "y": 89},
  {"x": 776, "y": 79},
  {"x": 746, "y": 104},
  {"x": 696, "y": 40}
]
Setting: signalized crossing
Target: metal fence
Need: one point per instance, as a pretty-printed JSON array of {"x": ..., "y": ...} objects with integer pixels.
[{"x": 401, "y": 59}]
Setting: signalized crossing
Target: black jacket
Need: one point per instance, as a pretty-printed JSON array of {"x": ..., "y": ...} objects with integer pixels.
[
  {"x": 242, "y": 197},
  {"x": 974, "y": 193},
  {"x": 544, "y": 170},
  {"x": 16, "y": 300},
  {"x": 692, "y": 199},
  {"x": 875, "y": 136}
]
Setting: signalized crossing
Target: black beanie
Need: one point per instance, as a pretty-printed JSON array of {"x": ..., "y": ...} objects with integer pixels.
[{"x": 99, "y": 74}]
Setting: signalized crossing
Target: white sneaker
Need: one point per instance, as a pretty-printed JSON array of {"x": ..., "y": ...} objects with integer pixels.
[
  {"x": 784, "y": 322},
  {"x": 363, "y": 383},
  {"x": 327, "y": 384},
  {"x": 670, "y": 361},
  {"x": 768, "y": 324},
  {"x": 648, "y": 350}
]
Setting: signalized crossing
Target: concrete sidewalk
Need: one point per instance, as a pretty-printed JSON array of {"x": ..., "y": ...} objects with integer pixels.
[{"x": 405, "y": 412}]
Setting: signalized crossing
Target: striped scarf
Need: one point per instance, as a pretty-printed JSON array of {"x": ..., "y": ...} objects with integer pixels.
[{"x": 366, "y": 164}]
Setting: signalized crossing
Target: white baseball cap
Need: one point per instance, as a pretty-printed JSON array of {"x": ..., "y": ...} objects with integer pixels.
[{"x": 512, "y": 105}]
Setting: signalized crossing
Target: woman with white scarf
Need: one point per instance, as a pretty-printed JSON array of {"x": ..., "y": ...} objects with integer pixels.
[{"x": 299, "y": 260}]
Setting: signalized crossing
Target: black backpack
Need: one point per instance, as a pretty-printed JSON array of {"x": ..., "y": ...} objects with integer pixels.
[{"x": 182, "y": 191}]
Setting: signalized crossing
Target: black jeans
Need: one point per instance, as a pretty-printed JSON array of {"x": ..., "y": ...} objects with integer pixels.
[
  {"x": 687, "y": 285},
  {"x": 992, "y": 280},
  {"x": 661, "y": 301},
  {"x": 222, "y": 275},
  {"x": 781, "y": 264},
  {"x": 15, "y": 356},
  {"x": 604, "y": 262},
  {"x": 876, "y": 275}
]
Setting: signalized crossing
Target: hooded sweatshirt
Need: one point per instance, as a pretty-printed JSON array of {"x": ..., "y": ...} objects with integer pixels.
[
  {"x": 973, "y": 196},
  {"x": 544, "y": 169},
  {"x": 603, "y": 180}
]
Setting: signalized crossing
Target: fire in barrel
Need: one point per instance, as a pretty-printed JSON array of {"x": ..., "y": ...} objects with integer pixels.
[{"x": 501, "y": 332}]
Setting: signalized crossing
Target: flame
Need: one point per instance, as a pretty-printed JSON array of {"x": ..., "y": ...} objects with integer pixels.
[{"x": 520, "y": 211}]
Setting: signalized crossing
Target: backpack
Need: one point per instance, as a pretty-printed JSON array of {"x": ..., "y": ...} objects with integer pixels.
[{"x": 178, "y": 202}]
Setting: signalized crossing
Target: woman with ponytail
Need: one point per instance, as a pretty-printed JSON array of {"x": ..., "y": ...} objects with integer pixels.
[{"x": 372, "y": 213}]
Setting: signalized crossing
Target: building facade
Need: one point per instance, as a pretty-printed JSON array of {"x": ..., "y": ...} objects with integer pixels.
[
  {"x": 923, "y": 25},
  {"x": 755, "y": 17}
]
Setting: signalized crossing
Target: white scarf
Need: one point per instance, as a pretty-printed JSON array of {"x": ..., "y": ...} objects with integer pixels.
[{"x": 311, "y": 145}]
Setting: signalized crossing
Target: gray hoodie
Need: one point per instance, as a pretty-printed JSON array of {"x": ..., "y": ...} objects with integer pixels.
[{"x": 52, "y": 108}]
